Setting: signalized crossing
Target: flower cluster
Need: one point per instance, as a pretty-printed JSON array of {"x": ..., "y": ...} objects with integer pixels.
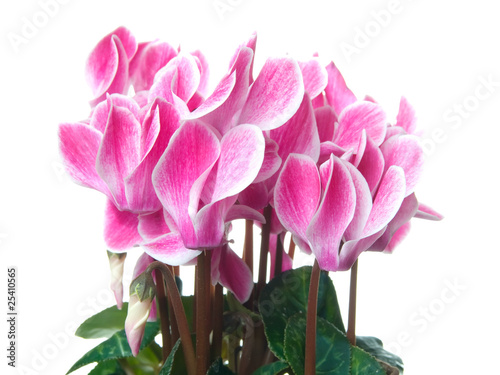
[{"x": 178, "y": 163}]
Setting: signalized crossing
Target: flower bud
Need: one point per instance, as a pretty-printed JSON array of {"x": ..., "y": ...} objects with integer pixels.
[
  {"x": 116, "y": 263},
  {"x": 142, "y": 292}
]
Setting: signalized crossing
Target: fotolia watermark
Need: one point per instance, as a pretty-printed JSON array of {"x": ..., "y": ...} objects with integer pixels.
[
  {"x": 32, "y": 25},
  {"x": 363, "y": 36},
  {"x": 221, "y": 7},
  {"x": 426, "y": 315},
  {"x": 455, "y": 116}
]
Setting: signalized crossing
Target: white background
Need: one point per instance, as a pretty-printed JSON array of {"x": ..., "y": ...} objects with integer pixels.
[{"x": 437, "y": 54}]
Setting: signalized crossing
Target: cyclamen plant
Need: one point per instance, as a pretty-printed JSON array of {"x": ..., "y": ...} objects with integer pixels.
[{"x": 292, "y": 150}]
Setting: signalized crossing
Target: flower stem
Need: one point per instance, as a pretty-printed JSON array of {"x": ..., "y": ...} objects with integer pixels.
[
  {"x": 264, "y": 249},
  {"x": 162, "y": 305},
  {"x": 291, "y": 249},
  {"x": 312, "y": 307},
  {"x": 351, "y": 325},
  {"x": 202, "y": 312},
  {"x": 248, "y": 245},
  {"x": 180, "y": 315},
  {"x": 278, "y": 264},
  {"x": 217, "y": 320}
]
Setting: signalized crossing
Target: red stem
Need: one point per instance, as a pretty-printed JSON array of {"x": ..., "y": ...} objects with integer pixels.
[
  {"x": 202, "y": 313},
  {"x": 162, "y": 305},
  {"x": 312, "y": 307},
  {"x": 351, "y": 325},
  {"x": 264, "y": 249}
]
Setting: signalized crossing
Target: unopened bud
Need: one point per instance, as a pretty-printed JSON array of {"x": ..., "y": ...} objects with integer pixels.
[{"x": 116, "y": 263}]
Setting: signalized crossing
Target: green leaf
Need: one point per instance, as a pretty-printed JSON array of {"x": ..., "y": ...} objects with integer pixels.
[
  {"x": 217, "y": 368},
  {"x": 332, "y": 347},
  {"x": 146, "y": 363},
  {"x": 108, "y": 368},
  {"x": 116, "y": 347},
  {"x": 103, "y": 324},
  {"x": 271, "y": 369},
  {"x": 286, "y": 295},
  {"x": 363, "y": 363},
  {"x": 375, "y": 347},
  {"x": 167, "y": 366}
]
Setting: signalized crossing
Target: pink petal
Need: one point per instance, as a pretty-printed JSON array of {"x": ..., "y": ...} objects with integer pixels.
[
  {"x": 209, "y": 223},
  {"x": 218, "y": 97},
  {"x": 181, "y": 172},
  {"x": 119, "y": 152},
  {"x": 329, "y": 148},
  {"x": 139, "y": 188},
  {"x": 250, "y": 43},
  {"x": 398, "y": 237},
  {"x": 394, "y": 130},
  {"x": 239, "y": 211},
  {"x": 406, "y": 116},
  {"x": 363, "y": 204},
  {"x": 319, "y": 101},
  {"x": 271, "y": 163},
  {"x": 101, "y": 111},
  {"x": 170, "y": 250},
  {"x": 255, "y": 196},
  {"x": 79, "y": 145},
  {"x": 337, "y": 93},
  {"x": 370, "y": 162},
  {"x": 203, "y": 67},
  {"x": 120, "y": 229},
  {"x": 224, "y": 117},
  {"x": 233, "y": 273},
  {"x": 351, "y": 250},
  {"x": 425, "y": 212},
  {"x": 275, "y": 95},
  {"x": 325, "y": 120},
  {"x": 297, "y": 194},
  {"x": 334, "y": 214},
  {"x": 149, "y": 59},
  {"x": 315, "y": 77},
  {"x": 388, "y": 200},
  {"x": 107, "y": 68},
  {"x": 356, "y": 117},
  {"x": 241, "y": 157},
  {"x": 405, "y": 213},
  {"x": 299, "y": 134},
  {"x": 405, "y": 152},
  {"x": 152, "y": 226}
]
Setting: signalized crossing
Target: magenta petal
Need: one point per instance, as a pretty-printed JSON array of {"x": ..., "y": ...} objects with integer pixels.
[
  {"x": 79, "y": 145},
  {"x": 120, "y": 229},
  {"x": 370, "y": 162},
  {"x": 234, "y": 274},
  {"x": 297, "y": 194},
  {"x": 101, "y": 111},
  {"x": 249, "y": 44},
  {"x": 363, "y": 204},
  {"x": 352, "y": 249},
  {"x": 203, "y": 67},
  {"x": 334, "y": 214},
  {"x": 181, "y": 172},
  {"x": 325, "y": 120},
  {"x": 224, "y": 117},
  {"x": 271, "y": 163},
  {"x": 356, "y": 117},
  {"x": 139, "y": 188},
  {"x": 239, "y": 211},
  {"x": 255, "y": 196},
  {"x": 107, "y": 68},
  {"x": 218, "y": 97},
  {"x": 337, "y": 93},
  {"x": 299, "y": 134},
  {"x": 152, "y": 226},
  {"x": 315, "y": 77},
  {"x": 405, "y": 152},
  {"x": 275, "y": 95},
  {"x": 328, "y": 148},
  {"x": 149, "y": 59},
  {"x": 209, "y": 223},
  {"x": 398, "y": 237},
  {"x": 406, "y": 116},
  {"x": 119, "y": 153},
  {"x": 427, "y": 213},
  {"x": 405, "y": 213},
  {"x": 170, "y": 249},
  {"x": 241, "y": 157},
  {"x": 390, "y": 195}
]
